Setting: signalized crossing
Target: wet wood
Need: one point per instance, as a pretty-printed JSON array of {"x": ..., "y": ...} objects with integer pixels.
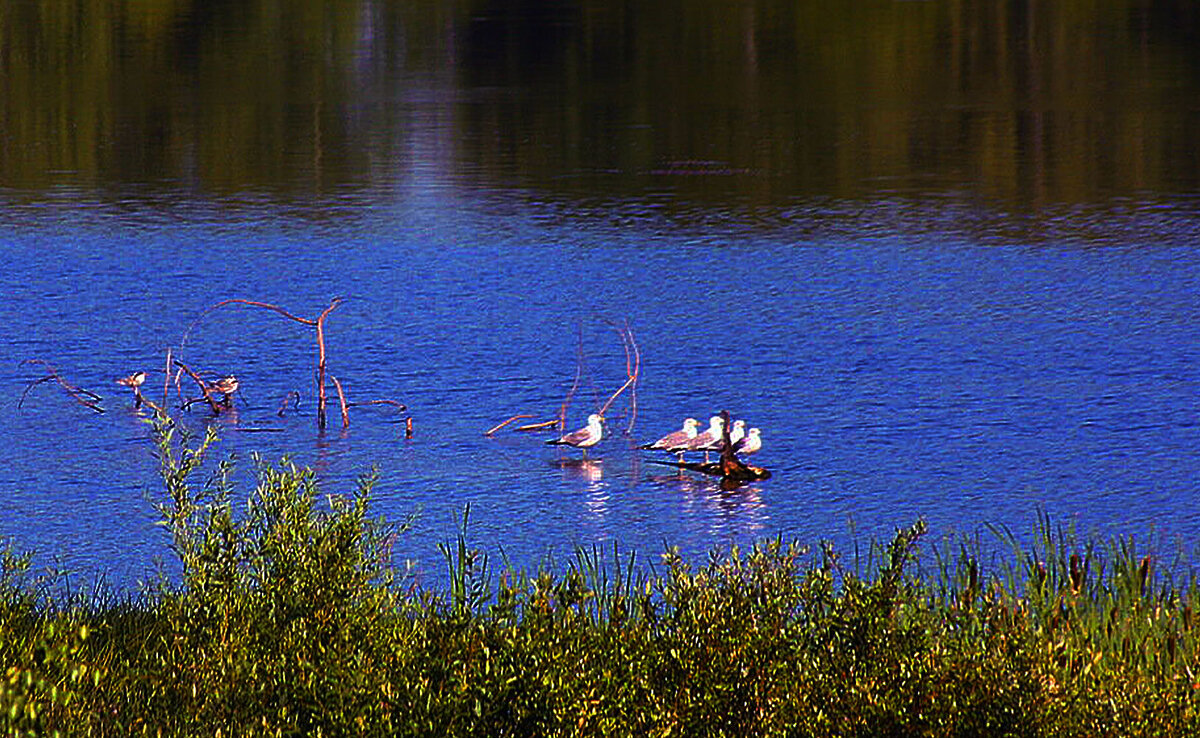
[
  {"x": 342, "y": 401},
  {"x": 495, "y": 428},
  {"x": 633, "y": 369},
  {"x": 87, "y": 398},
  {"x": 744, "y": 473},
  {"x": 205, "y": 387},
  {"x": 318, "y": 323},
  {"x": 293, "y": 398},
  {"x": 539, "y": 426}
]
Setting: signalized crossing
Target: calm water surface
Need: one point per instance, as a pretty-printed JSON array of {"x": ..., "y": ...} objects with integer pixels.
[{"x": 962, "y": 287}]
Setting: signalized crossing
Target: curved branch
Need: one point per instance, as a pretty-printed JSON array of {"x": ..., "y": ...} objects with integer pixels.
[
  {"x": 205, "y": 387},
  {"x": 87, "y": 398},
  {"x": 495, "y": 428},
  {"x": 633, "y": 367},
  {"x": 342, "y": 400},
  {"x": 253, "y": 303}
]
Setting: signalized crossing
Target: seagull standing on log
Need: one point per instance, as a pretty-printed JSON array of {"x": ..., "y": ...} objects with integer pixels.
[
  {"x": 707, "y": 441},
  {"x": 672, "y": 441}
]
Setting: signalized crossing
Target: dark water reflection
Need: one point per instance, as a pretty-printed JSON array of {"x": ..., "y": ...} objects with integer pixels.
[
  {"x": 728, "y": 104},
  {"x": 944, "y": 254}
]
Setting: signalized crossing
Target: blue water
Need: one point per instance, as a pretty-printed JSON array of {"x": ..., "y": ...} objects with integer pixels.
[{"x": 904, "y": 358}]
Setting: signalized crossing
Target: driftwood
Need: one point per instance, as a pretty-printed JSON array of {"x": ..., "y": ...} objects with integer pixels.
[
  {"x": 566, "y": 403},
  {"x": 394, "y": 403},
  {"x": 87, "y": 398},
  {"x": 633, "y": 363},
  {"x": 342, "y": 402},
  {"x": 742, "y": 473}
]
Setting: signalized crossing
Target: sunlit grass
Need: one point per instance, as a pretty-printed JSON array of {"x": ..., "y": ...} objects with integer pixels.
[{"x": 287, "y": 619}]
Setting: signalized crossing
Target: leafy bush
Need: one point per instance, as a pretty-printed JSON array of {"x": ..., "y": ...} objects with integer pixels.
[{"x": 288, "y": 619}]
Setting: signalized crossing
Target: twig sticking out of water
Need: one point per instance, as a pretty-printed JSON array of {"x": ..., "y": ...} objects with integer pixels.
[
  {"x": 494, "y": 428},
  {"x": 292, "y": 397},
  {"x": 562, "y": 410},
  {"x": 206, "y": 388},
  {"x": 84, "y": 397},
  {"x": 633, "y": 368},
  {"x": 318, "y": 323},
  {"x": 394, "y": 403},
  {"x": 342, "y": 402},
  {"x": 166, "y": 378}
]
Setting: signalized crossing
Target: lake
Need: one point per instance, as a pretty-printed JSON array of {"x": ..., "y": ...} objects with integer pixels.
[{"x": 945, "y": 255}]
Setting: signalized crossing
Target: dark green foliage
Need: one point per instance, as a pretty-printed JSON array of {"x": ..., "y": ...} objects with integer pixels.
[{"x": 286, "y": 619}]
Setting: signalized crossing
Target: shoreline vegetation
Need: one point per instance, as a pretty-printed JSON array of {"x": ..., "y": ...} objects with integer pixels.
[{"x": 288, "y": 618}]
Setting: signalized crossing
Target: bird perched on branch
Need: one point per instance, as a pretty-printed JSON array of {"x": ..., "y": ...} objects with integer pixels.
[
  {"x": 135, "y": 380},
  {"x": 672, "y": 441},
  {"x": 585, "y": 437},
  {"x": 226, "y": 386}
]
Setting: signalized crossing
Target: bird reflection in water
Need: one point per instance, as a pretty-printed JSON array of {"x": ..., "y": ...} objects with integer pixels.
[
  {"x": 737, "y": 510},
  {"x": 591, "y": 472}
]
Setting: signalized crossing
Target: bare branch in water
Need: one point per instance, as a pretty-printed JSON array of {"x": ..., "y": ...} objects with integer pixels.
[
  {"x": 205, "y": 387},
  {"x": 342, "y": 400},
  {"x": 495, "y": 428},
  {"x": 84, "y": 397},
  {"x": 394, "y": 403},
  {"x": 318, "y": 323},
  {"x": 294, "y": 398},
  {"x": 562, "y": 410},
  {"x": 167, "y": 378},
  {"x": 539, "y": 426},
  {"x": 633, "y": 367}
]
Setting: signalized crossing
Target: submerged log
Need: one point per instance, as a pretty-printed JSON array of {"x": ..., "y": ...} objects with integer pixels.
[{"x": 740, "y": 473}]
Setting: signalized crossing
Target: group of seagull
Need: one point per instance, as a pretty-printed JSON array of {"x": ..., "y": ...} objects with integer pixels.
[
  {"x": 686, "y": 439},
  {"x": 711, "y": 440}
]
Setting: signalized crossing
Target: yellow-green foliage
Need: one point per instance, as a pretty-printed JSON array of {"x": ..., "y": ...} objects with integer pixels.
[{"x": 286, "y": 620}]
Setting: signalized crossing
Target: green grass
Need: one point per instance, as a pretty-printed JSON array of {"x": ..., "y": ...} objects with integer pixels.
[{"x": 287, "y": 619}]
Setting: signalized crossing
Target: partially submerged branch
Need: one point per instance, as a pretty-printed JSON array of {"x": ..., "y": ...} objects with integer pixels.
[
  {"x": 84, "y": 397},
  {"x": 633, "y": 368},
  {"x": 207, "y": 389},
  {"x": 342, "y": 401},
  {"x": 495, "y": 428},
  {"x": 318, "y": 323},
  {"x": 292, "y": 397}
]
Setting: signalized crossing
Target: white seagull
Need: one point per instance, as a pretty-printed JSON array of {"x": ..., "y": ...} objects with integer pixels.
[
  {"x": 672, "y": 441},
  {"x": 750, "y": 444},
  {"x": 585, "y": 437},
  {"x": 708, "y": 440},
  {"x": 737, "y": 432}
]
